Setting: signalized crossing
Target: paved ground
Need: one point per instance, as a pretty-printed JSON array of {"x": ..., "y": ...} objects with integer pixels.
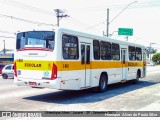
[{"x": 144, "y": 96}]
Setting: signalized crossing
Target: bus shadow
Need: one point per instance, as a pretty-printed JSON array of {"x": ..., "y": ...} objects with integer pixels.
[{"x": 89, "y": 96}]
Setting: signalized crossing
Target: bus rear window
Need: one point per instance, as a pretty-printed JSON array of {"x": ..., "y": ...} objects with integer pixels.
[{"x": 43, "y": 39}]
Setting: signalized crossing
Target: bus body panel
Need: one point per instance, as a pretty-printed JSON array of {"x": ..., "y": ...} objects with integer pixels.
[
  {"x": 36, "y": 66},
  {"x": 54, "y": 84}
]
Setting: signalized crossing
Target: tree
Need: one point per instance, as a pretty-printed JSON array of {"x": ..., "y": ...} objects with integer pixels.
[{"x": 156, "y": 58}]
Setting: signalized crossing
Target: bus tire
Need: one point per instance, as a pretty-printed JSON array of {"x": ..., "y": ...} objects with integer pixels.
[
  {"x": 102, "y": 83},
  {"x": 135, "y": 81},
  {"x": 4, "y": 76}
]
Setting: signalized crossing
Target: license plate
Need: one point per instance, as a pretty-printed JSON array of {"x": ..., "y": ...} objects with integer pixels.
[{"x": 33, "y": 83}]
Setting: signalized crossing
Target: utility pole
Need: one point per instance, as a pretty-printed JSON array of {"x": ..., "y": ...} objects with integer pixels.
[
  {"x": 107, "y": 30},
  {"x": 151, "y": 50},
  {"x": 109, "y": 22},
  {"x": 4, "y": 50},
  {"x": 58, "y": 12},
  {"x": 126, "y": 38}
]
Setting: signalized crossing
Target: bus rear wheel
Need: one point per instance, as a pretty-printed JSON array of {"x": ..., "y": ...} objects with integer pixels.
[
  {"x": 135, "y": 81},
  {"x": 102, "y": 83}
]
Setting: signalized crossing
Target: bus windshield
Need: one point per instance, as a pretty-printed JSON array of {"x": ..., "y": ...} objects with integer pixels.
[{"x": 42, "y": 39}]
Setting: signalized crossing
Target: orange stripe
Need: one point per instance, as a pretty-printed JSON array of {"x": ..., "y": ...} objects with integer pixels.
[{"x": 74, "y": 65}]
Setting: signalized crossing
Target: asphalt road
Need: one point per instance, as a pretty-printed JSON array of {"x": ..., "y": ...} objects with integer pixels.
[{"x": 144, "y": 96}]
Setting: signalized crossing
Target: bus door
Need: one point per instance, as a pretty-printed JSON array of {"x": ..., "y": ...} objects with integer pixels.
[
  {"x": 123, "y": 61},
  {"x": 86, "y": 64}
]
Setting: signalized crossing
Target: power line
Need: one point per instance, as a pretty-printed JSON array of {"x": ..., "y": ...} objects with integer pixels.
[
  {"x": 27, "y": 7},
  {"x": 42, "y": 11},
  {"x": 75, "y": 24},
  {"x": 139, "y": 6},
  {"x": 6, "y": 37},
  {"x": 39, "y": 10},
  {"x": 120, "y": 6},
  {"x": 83, "y": 28},
  {"x": 2, "y": 31},
  {"x": 79, "y": 22},
  {"x": 94, "y": 26},
  {"x": 24, "y": 20},
  {"x": 31, "y": 8}
]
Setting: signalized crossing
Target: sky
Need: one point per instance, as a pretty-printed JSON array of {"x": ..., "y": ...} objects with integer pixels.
[{"x": 88, "y": 16}]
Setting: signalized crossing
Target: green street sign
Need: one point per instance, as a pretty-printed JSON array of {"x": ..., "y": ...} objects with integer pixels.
[{"x": 125, "y": 31}]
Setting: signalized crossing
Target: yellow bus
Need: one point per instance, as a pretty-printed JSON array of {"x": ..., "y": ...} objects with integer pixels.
[{"x": 70, "y": 60}]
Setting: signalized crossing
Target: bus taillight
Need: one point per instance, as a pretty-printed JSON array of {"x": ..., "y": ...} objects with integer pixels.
[
  {"x": 54, "y": 72},
  {"x": 15, "y": 69}
]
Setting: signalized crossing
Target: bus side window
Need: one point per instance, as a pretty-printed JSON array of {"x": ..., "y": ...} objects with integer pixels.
[
  {"x": 96, "y": 49},
  {"x": 106, "y": 50},
  {"x": 115, "y": 51},
  {"x": 70, "y": 47},
  {"x": 132, "y": 53},
  {"x": 138, "y": 54}
]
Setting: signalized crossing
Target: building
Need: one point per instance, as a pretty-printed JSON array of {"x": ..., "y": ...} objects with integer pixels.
[{"x": 7, "y": 57}]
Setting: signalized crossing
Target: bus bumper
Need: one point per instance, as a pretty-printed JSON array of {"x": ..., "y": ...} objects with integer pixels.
[{"x": 54, "y": 84}]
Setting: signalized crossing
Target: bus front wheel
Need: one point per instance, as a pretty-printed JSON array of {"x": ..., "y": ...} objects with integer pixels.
[{"x": 102, "y": 83}]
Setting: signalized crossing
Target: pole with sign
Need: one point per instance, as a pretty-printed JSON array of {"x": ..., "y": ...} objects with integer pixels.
[{"x": 125, "y": 31}]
